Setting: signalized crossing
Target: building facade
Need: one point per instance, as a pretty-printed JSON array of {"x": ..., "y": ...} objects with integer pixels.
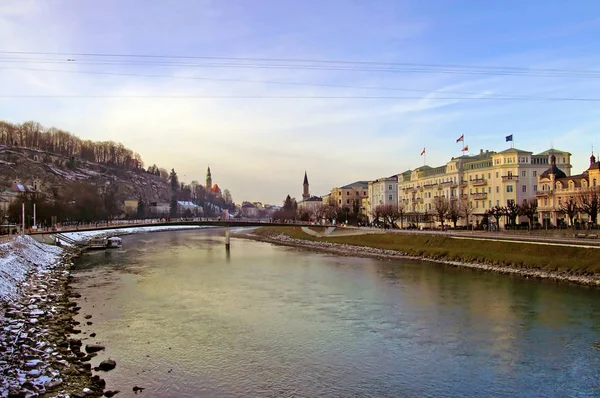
[
  {"x": 560, "y": 193},
  {"x": 309, "y": 203},
  {"x": 350, "y": 195},
  {"x": 381, "y": 192},
  {"x": 477, "y": 183}
]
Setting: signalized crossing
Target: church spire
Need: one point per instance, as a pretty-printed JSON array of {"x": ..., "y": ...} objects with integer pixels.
[
  {"x": 305, "y": 193},
  {"x": 208, "y": 180}
]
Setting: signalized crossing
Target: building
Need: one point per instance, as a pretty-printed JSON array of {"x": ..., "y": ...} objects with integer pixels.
[
  {"x": 189, "y": 208},
  {"x": 250, "y": 210},
  {"x": 381, "y": 192},
  {"x": 159, "y": 209},
  {"x": 130, "y": 206},
  {"x": 350, "y": 195},
  {"x": 477, "y": 182},
  {"x": 309, "y": 203},
  {"x": 560, "y": 193},
  {"x": 208, "y": 180}
]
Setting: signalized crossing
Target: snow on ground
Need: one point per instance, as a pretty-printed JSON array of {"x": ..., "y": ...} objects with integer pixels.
[
  {"x": 82, "y": 235},
  {"x": 18, "y": 258}
]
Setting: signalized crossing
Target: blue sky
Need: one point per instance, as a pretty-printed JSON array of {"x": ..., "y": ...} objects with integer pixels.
[{"x": 259, "y": 148}]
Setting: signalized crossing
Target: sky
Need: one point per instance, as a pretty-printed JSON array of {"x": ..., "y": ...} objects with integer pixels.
[{"x": 226, "y": 105}]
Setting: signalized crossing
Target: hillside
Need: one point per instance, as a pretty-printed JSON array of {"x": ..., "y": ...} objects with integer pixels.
[{"x": 55, "y": 171}]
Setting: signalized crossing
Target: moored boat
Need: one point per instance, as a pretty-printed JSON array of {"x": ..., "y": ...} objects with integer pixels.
[{"x": 114, "y": 243}]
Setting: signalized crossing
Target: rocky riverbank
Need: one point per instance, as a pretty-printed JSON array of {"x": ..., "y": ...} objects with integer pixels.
[
  {"x": 365, "y": 251},
  {"x": 39, "y": 355}
]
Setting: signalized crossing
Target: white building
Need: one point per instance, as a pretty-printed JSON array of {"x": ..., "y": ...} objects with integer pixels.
[{"x": 383, "y": 191}]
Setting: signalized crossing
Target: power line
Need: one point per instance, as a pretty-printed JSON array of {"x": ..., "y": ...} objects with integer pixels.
[
  {"x": 68, "y": 96},
  {"x": 350, "y": 66},
  {"x": 301, "y": 60},
  {"x": 507, "y": 96}
]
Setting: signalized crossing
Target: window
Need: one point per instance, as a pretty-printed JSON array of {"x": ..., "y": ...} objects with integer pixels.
[
  {"x": 523, "y": 173},
  {"x": 340, "y": 201},
  {"x": 545, "y": 201},
  {"x": 497, "y": 203},
  {"x": 390, "y": 197},
  {"x": 559, "y": 200},
  {"x": 497, "y": 189},
  {"x": 477, "y": 204},
  {"x": 490, "y": 203},
  {"x": 524, "y": 188},
  {"x": 489, "y": 189},
  {"x": 340, "y": 194},
  {"x": 535, "y": 173},
  {"x": 535, "y": 188},
  {"x": 594, "y": 183},
  {"x": 347, "y": 201},
  {"x": 564, "y": 160},
  {"x": 489, "y": 176},
  {"x": 389, "y": 187},
  {"x": 509, "y": 188},
  {"x": 347, "y": 193}
]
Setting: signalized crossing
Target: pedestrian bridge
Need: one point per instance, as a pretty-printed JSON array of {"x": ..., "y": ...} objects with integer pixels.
[{"x": 198, "y": 222}]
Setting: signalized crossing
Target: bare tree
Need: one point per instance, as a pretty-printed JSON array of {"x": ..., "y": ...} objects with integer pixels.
[
  {"x": 529, "y": 210},
  {"x": 390, "y": 214},
  {"x": 376, "y": 213},
  {"x": 326, "y": 212},
  {"x": 512, "y": 211},
  {"x": 440, "y": 207},
  {"x": 401, "y": 212},
  {"x": 227, "y": 196},
  {"x": 587, "y": 201},
  {"x": 496, "y": 212},
  {"x": 466, "y": 207},
  {"x": 454, "y": 212},
  {"x": 570, "y": 209}
]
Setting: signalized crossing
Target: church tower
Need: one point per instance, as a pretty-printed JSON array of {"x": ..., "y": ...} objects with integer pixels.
[
  {"x": 305, "y": 194},
  {"x": 208, "y": 180}
]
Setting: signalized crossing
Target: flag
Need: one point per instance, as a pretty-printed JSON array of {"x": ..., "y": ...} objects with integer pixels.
[
  {"x": 423, "y": 152},
  {"x": 509, "y": 138},
  {"x": 461, "y": 138},
  {"x": 466, "y": 148}
]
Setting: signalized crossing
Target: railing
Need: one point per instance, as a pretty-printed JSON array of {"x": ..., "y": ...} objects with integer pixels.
[
  {"x": 447, "y": 184},
  {"x": 479, "y": 195},
  {"x": 479, "y": 181},
  {"x": 509, "y": 178}
]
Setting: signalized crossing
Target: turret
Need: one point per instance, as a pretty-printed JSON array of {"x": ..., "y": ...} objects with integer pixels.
[
  {"x": 208, "y": 180},
  {"x": 305, "y": 193}
]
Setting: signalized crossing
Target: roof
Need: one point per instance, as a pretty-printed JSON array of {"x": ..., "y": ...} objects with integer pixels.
[
  {"x": 548, "y": 152},
  {"x": 186, "y": 203},
  {"x": 356, "y": 184},
  {"x": 305, "y": 178},
  {"x": 553, "y": 170},
  {"x": 514, "y": 150},
  {"x": 313, "y": 199},
  {"x": 215, "y": 188},
  {"x": 394, "y": 177}
]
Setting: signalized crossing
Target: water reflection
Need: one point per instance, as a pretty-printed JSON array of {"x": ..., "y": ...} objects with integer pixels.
[{"x": 275, "y": 321}]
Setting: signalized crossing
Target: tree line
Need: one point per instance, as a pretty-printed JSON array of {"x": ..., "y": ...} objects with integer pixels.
[{"x": 35, "y": 136}]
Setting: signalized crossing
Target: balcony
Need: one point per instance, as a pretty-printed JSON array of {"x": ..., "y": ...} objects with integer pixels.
[
  {"x": 429, "y": 186},
  {"x": 463, "y": 183},
  {"x": 419, "y": 200},
  {"x": 479, "y": 195},
  {"x": 510, "y": 179},
  {"x": 543, "y": 193},
  {"x": 478, "y": 182},
  {"x": 446, "y": 184}
]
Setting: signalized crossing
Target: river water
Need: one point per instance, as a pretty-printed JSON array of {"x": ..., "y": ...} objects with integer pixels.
[{"x": 184, "y": 319}]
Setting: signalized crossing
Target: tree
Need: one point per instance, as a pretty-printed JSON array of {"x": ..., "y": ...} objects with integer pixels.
[
  {"x": 390, "y": 214},
  {"x": 376, "y": 213},
  {"x": 141, "y": 208},
  {"x": 587, "y": 201},
  {"x": 529, "y": 210},
  {"x": 466, "y": 207},
  {"x": 174, "y": 180},
  {"x": 441, "y": 205},
  {"x": 401, "y": 212},
  {"x": 497, "y": 212},
  {"x": 512, "y": 211},
  {"x": 111, "y": 205},
  {"x": 570, "y": 209},
  {"x": 227, "y": 196},
  {"x": 327, "y": 212},
  {"x": 453, "y": 213}
]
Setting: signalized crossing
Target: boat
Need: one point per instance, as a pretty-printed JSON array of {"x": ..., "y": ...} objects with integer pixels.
[
  {"x": 97, "y": 243},
  {"x": 114, "y": 243}
]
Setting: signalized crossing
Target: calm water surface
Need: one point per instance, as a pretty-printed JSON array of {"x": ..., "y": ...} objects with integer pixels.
[{"x": 184, "y": 319}]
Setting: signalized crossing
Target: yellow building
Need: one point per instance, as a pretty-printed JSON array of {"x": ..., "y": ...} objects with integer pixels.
[
  {"x": 477, "y": 182},
  {"x": 349, "y": 195},
  {"x": 560, "y": 194}
]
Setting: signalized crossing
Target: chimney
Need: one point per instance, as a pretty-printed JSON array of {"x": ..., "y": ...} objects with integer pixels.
[{"x": 481, "y": 152}]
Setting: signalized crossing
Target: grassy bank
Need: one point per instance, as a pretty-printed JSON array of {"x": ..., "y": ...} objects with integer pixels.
[{"x": 571, "y": 260}]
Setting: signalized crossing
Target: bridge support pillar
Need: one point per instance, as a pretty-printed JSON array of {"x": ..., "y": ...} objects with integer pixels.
[{"x": 227, "y": 240}]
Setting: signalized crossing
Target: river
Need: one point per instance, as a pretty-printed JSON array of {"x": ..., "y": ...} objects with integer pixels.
[{"x": 182, "y": 318}]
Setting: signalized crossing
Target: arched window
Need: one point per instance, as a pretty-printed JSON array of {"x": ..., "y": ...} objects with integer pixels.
[{"x": 594, "y": 182}]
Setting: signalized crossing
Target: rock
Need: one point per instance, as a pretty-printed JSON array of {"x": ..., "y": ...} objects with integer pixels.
[
  {"x": 92, "y": 334},
  {"x": 110, "y": 393},
  {"x": 16, "y": 394},
  {"x": 53, "y": 384},
  {"x": 89, "y": 323},
  {"x": 89, "y": 348},
  {"x": 137, "y": 389},
  {"x": 87, "y": 316},
  {"x": 75, "y": 342},
  {"x": 107, "y": 365}
]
